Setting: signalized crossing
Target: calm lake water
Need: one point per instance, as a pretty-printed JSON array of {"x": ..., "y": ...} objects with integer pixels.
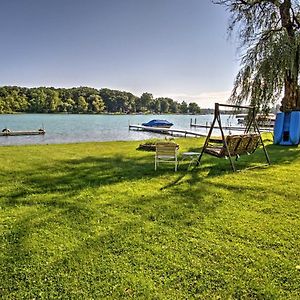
[{"x": 64, "y": 128}]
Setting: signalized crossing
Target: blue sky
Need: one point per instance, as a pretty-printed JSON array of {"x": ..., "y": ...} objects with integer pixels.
[{"x": 170, "y": 48}]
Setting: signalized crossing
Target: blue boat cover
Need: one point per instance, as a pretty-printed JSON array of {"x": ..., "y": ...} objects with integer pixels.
[{"x": 158, "y": 123}]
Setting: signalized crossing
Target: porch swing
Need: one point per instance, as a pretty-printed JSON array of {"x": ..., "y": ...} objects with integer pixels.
[{"x": 233, "y": 145}]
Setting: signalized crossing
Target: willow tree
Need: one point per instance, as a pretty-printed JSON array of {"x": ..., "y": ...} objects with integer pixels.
[{"x": 268, "y": 32}]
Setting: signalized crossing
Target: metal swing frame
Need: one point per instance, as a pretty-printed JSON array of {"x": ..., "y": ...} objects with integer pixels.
[{"x": 226, "y": 151}]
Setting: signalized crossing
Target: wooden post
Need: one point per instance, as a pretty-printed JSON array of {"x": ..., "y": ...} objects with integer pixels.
[
  {"x": 261, "y": 140},
  {"x": 225, "y": 143},
  {"x": 209, "y": 134}
]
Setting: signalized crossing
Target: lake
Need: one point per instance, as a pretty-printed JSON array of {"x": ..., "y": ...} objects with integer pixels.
[{"x": 69, "y": 128}]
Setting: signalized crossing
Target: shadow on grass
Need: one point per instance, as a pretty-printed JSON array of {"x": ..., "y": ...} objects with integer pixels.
[
  {"x": 88, "y": 245},
  {"x": 109, "y": 237},
  {"x": 219, "y": 166},
  {"x": 215, "y": 167},
  {"x": 69, "y": 177}
]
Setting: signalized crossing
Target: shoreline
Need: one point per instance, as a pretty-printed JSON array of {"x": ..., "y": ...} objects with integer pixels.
[{"x": 102, "y": 142}]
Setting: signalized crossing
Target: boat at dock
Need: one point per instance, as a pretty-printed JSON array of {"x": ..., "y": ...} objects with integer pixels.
[
  {"x": 263, "y": 120},
  {"x": 266, "y": 120},
  {"x": 158, "y": 123},
  {"x": 8, "y": 132},
  {"x": 168, "y": 131}
]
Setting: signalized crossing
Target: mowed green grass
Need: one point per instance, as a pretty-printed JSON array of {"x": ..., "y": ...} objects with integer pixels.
[{"x": 95, "y": 221}]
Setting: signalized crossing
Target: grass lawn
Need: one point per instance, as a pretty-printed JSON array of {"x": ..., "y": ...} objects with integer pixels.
[{"x": 95, "y": 221}]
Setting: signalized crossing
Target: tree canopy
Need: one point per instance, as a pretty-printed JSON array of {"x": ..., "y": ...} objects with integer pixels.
[
  {"x": 86, "y": 100},
  {"x": 268, "y": 32}
]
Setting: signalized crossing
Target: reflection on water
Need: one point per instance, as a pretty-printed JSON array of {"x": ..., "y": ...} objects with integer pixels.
[{"x": 64, "y": 128}]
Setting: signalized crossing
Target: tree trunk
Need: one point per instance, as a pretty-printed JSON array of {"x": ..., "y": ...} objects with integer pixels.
[{"x": 291, "y": 99}]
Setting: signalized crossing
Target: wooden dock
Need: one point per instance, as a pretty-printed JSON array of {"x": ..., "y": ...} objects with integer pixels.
[
  {"x": 7, "y": 132},
  {"x": 234, "y": 128},
  {"x": 169, "y": 131}
]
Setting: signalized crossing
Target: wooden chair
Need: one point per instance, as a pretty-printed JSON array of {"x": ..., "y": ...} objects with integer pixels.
[{"x": 166, "y": 152}]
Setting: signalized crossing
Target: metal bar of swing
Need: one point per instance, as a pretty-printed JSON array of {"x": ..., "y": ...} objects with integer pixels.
[{"x": 234, "y": 106}]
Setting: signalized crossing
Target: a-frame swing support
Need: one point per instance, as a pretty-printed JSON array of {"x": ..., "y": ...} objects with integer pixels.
[{"x": 217, "y": 118}]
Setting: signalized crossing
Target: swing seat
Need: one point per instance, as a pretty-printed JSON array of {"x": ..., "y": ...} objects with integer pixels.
[
  {"x": 236, "y": 144},
  {"x": 220, "y": 151}
]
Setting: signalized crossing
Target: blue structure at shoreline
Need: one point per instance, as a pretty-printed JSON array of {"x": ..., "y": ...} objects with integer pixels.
[{"x": 287, "y": 128}]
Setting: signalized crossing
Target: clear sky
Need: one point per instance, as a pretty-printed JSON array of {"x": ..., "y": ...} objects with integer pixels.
[{"x": 170, "y": 48}]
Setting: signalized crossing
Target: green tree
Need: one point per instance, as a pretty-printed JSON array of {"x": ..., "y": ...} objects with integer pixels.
[
  {"x": 22, "y": 102},
  {"x": 96, "y": 103},
  {"x": 37, "y": 100},
  {"x": 132, "y": 100},
  {"x": 52, "y": 100},
  {"x": 164, "y": 105},
  {"x": 194, "y": 108},
  {"x": 145, "y": 101},
  {"x": 2, "y": 106},
  {"x": 183, "y": 107},
  {"x": 156, "y": 107},
  {"x": 82, "y": 105},
  {"x": 15, "y": 99},
  {"x": 174, "y": 107},
  {"x": 269, "y": 35},
  {"x": 67, "y": 106}
]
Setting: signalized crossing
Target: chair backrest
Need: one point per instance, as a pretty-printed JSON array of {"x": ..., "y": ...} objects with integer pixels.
[{"x": 166, "y": 149}]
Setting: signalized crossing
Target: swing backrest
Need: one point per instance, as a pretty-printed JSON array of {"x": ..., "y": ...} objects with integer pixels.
[
  {"x": 248, "y": 144},
  {"x": 243, "y": 144},
  {"x": 218, "y": 150},
  {"x": 233, "y": 142},
  {"x": 236, "y": 144},
  {"x": 254, "y": 142}
]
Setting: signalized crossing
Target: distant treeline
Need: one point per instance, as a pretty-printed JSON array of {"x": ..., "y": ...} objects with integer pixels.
[{"x": 86, "y": 100}]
